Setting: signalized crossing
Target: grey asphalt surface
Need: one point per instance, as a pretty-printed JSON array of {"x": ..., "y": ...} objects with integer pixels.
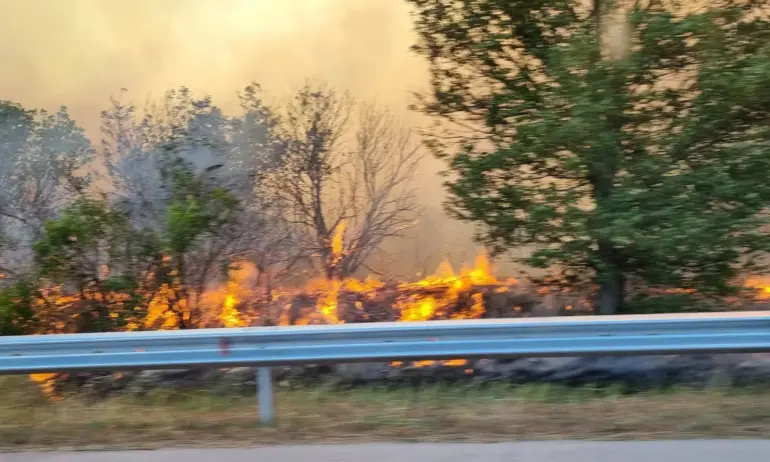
[{"x": 548, "y": 451}]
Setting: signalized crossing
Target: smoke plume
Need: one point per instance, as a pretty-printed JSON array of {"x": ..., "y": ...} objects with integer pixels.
[{"x": 80, "y": 52}]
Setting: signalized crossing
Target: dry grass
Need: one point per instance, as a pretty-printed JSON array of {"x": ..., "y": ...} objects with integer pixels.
[{"x": 440, "y": 413}]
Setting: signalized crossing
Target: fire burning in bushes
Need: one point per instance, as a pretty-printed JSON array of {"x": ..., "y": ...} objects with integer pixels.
[
  {"x": 446, "y": 294},
  {"x": 471, "y": 292}
]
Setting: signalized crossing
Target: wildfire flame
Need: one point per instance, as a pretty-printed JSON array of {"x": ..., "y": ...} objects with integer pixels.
[
  {"x": 229, "y": 296},
  {"x": 423, "y": 308},
  {"x": 417, "y": 301},
  {"x": 445, "y": 294},
  {"x": 337, "y": 242},
  {"x": 761, "y": 286}
]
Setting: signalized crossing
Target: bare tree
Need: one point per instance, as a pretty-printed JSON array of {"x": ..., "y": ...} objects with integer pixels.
[
  {"x": 385, "y": 160},
  {"x": 347, "y": 173},
  {"x": 44, "y": 156}
]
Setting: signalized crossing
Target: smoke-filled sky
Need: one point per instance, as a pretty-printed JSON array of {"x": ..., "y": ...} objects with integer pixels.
[{"x": 80, "y": 52}]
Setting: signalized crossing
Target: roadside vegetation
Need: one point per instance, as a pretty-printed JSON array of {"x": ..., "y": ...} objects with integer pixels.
[{"x": 433, "y": 413}]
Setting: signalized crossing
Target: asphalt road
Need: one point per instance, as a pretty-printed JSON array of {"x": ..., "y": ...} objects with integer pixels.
[{"x": 550, "y": 451}]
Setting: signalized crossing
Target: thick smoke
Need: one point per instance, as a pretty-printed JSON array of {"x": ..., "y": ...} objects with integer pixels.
[{"x": 79, "y": 52}]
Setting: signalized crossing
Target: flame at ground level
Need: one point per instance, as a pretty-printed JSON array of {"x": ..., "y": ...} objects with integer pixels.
[
  {"x": 436, "y": 296},
  {"x": 761, "y": 286},
  {"x": 417, "y": 302},
  {"x": 425, "y": 299}
]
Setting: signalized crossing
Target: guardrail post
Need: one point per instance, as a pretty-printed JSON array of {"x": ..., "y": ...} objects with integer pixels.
[{"x": 265, "y": 395}]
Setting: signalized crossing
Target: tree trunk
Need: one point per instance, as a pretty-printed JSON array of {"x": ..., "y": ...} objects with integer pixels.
[{"x": 612, "y": 283}]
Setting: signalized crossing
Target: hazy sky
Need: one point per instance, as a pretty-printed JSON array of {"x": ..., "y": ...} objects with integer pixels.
[{"x": 79, "y": 52}]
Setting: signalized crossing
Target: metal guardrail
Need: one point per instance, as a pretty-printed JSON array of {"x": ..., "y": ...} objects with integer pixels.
[{"x": 272, "y": 346}]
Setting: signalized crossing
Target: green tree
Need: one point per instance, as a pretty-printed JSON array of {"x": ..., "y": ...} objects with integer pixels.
[
  {"x": 117, "y": 271},
  {"x": 622, "y": 141},
  {"x": 92, "y": 251},
  {"x": 17, "y": 313},
  {"x": 198, "y": 210}
]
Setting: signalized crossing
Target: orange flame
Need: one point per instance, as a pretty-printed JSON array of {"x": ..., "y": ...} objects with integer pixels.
[
  {"x": 443, "y": 294},
  {"x": 327, "y": 303},
  {"x": 337, "y": 243},
  {"x": 423, "y": 308},
  {"x": 420, "y": 307},
  {"x": 761, "y": 286},
  {"x": 233, "y": 293}
]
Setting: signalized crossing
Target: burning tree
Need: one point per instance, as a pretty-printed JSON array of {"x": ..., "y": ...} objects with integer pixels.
[
  {"x": 186, "y": 173},
  {"x": 345, "y": 185},
  {"x": 621, "y": 139}
]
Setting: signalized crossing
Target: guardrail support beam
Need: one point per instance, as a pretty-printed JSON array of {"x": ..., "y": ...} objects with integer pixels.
[{"x": 265, "y": 396}]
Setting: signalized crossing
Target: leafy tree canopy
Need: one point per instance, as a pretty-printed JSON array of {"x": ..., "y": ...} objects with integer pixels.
[{"x": 621, "y": 140}]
